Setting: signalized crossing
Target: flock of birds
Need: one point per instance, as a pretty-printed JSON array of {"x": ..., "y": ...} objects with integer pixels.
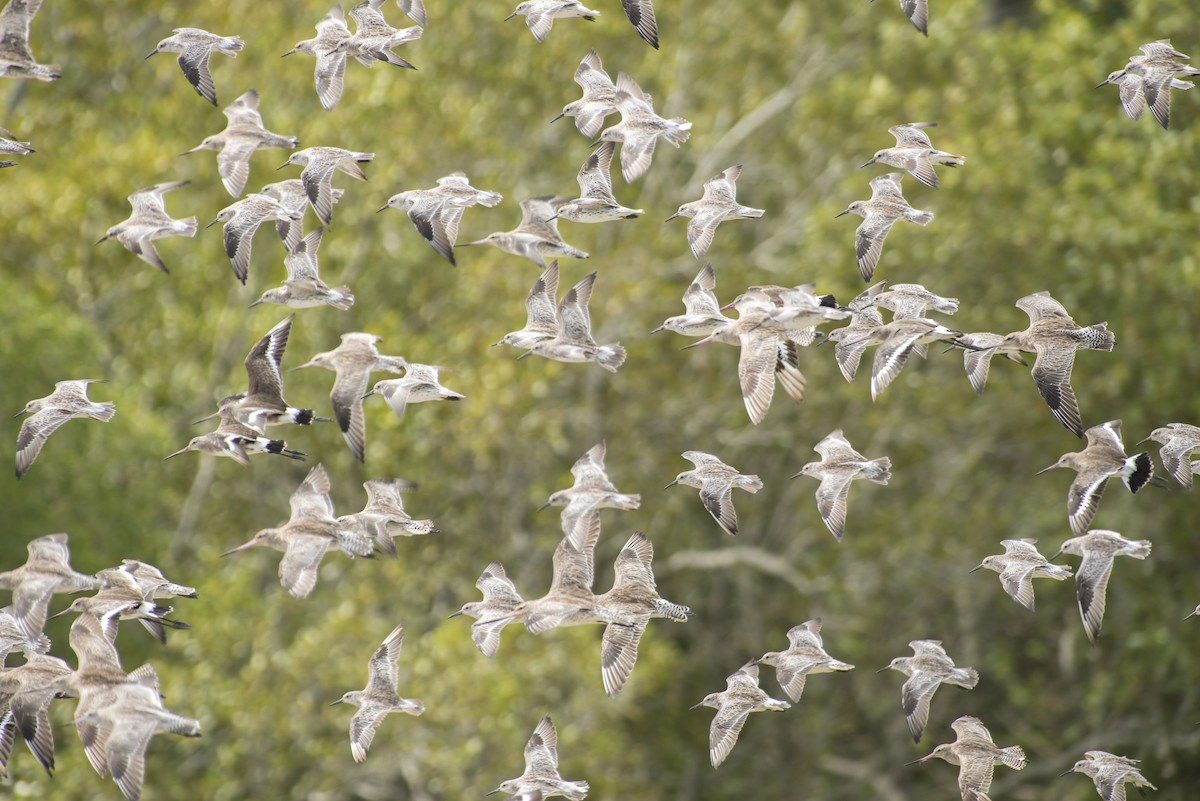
[{"x": 119, "y": 712}]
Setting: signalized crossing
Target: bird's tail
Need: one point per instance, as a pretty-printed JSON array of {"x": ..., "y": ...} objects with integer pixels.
[
  {"x": 189, "y": 226},
  {"x": 1013, "y": 757},
  {"x": 883, "y": 466},
  {"x": 920, "y": 217},
  {"x": 1097, "y": 337},
  {"x": 966, "y": 678},
  {"x": 1138, "y": 470},
  {"x": 678, "y": 132},
  {"x": 946, "y": 159},
  {"x": 676, "y": 612},
  {"x": 105, "y": 412},
  {"x": 610, "y": 357},
  {"x": 751, "y": 484}
]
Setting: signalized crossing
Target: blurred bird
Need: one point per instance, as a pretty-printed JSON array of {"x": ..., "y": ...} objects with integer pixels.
[
  {"x": 437, "y": 212},
  {"x": 291, "y": 196},
  {"x": 927, "y": 669},
  {"x": 495, "y": 611},
  {"x": 237, "y": 440},
  {"x": 719, "y": 203},
  {"x": 46, "y": 571},
  {"x": 319, "y": 164},
  {"x": 880, "y": 213},
  {"x": 742, "y": 696},
  {"x": 1178, "y": 440},
  {"x": 917, "y": 12},
  {"x": 195, "y": 47},
  {"x": 241, "y": 220},
  {"x": 9, "y": 145},
  {"x": 150, "y": 221},
  {"x": 640, "y": 128},
  {"x": 243, "y": 134},
  {"x": 896, "y": 340},
  {"x": 716, "y": 481},
  {"x": 419, "y": 384},
  {"x": 591, "y": 490},
  {"x": 68, "y": 401},
  {"x": 541, "y": 312},
  {"x": 1102, "y": 458},
  {"x": 303, "y": 287},
  {"x": 805, "y": 654},
  {"x": 573, "y": 340},
  {"x": 374, "y": 38},
  {"x": 384, "y": 515},
  {"x": 379, "y": 697},
  {"x": 596, "y": 203},
  {"x": 1099, "y": 549},
  {"x": 840, "y": 464},
  {"x": 641, "y": 14},
  {"x": 703, "y": 315},
  {"x": 977, "y": 359},
  {"x": 866, "y": 324},
  {"x": 16, "y": 59},
  {"x": 26, "y": 692},
  {"x": 122, "y": 598}
]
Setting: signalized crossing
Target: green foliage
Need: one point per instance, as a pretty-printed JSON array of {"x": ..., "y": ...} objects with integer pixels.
[{"x": 1060, "y": 192}]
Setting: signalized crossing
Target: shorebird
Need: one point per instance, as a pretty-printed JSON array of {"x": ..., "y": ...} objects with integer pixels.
[
  {"x": 353, "y": 362},
  {"x": 307, "y": 535},
  {"x": 896, "y": 340},
  {"x": 703, "y": 315},
  {"x": 572, "y": 341},
  {"x": 805, "y": 654},
  {"x": 495, "y": 611},
  {"x": 374, "y": 38},
  {"x": 976, "y": 754},
  {"x": 241, "y": 219},
  {"x": 641, "y": 14},
  {"x": 718, "y": 203},
  {"x": 716, "y": 481},
  {"x": 319, "y": 164},
  {"x": 599, "y": 96},
  {"x": 25, "y": 695},
  {"x": 9, "y": 145},
  {"x": 640, "y": 128},
  {"x": 1055, "y": 338},
  {"x": 592, "y": 490},
  {"x": 540, "y": 14},
  {"x": 767, "y": 354},
  {"x": 415, "y": 10},
  {"x": 14, "y": 638},
  {"x": 537, "y": 236},
  {"x": 16, "y": 59},
  {"x": 262, "y": 404},
  {"x": 915, "y": 154},
  {"x": 1149, "y": 78},
  {"x": 1102, "y": 458},
  {"x": 840, "y": 464},
  {"x": 195, "y": 47},
  {"x": 596, "y": 203},
  {"x": 150, "y": 221},
  {"x": 541, "y": 778},
  {"x": 917, "y": 12},
  {"x": 880, "y": 213},
  {"x": 379, "y": 697},
  {"x": 1018, "y": 566},
  {"x": 122, "y": 598},
  {"x": 303, "y": 288},
  {"x": 384, "y": 514},
  {"x": 541, "y": 312},
  {"x": 1178, "y": 440},
  {"x": 742, "y": 696},
  {"x": 291, "y": 195},
  {"x": 68, "y": 401},
  {"x": 927, "y": 669},
  {"x": 437, "y": 212},
  {"x": 237, "y": 441},
  {"x": 910, "y": 301},
  {"x": 330, "y": 72},
  {"x": 47, "y": 571},
  {"x": 977, "y": 359},
  {"x": 1098, "y": 548},
  {"x": 419, "y": 384},
  {"x": 627, "y": 608},
  {"x": 154, "y": 585},
  {"x": 243, "y": 134},
  {"x": 1110, "y": 773}
]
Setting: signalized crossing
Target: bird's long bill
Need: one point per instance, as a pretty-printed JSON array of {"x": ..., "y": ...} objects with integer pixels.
[
  {"x": 1193, "y": 614},
  {"x": 697, "y": 706},
  {"x": 1072, "y": 770},
  {"x": 544, "y": 506},
  {"x": 105, "y": 239},
  {"x": 697, "y": 343},
  {"x": 152, "y": 53},
  {"x": 288, "y": 53},
  {"x": 382, "y": 208},
  {"x": 468, "y": 244},
  {"x": 868, "y": 164},
  {"x": 1046, "y": 469},
  {"x": 673, "y": 483},
  {"x": 211, "y": 224},
  {"x": 796, "y": 475},
  {"x": 244, "y": 546},
  {"x": 338, "y": 701},
  {"x": 251, "y": 306},
  {"x": 18, "y": 414},
  {"x": 284, "y": 164},
  {"x": 454, "y": 614},
  {"x": 369, "y": 394},
  {"x": 559, "y": 117},
  {"x": 919, "y": 761},
  {"x": 506, "y": 19},
  {"x": 176, "y": 453},
  {"x": 1057, "y": 554},
  {"x": 673, "y": 216},
  {"x": 203, "y": 420},
  {"x": 195, "y": 149},
  {"x": 840, "y": 213},
  {"x": 977, "y": 567},
  {"x": 885, "y": 667},
  {"x": 299, "y": 367},
  {"x": 1097, "y": 86},
  {"x": 493, "y": 792},
  {"x": 660, "y": 328}
]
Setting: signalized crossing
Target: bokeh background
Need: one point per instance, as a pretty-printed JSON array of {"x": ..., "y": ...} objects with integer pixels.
[{"x": 1060, "y": 192}]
